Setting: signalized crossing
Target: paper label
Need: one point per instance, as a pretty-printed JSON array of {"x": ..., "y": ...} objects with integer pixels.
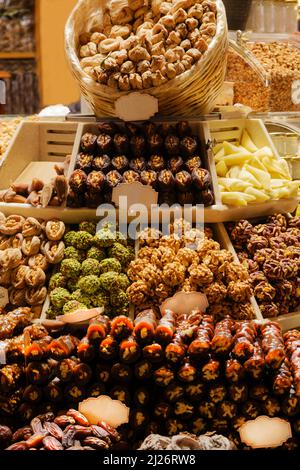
[
  {"x": 127, "y": 196},
  {"x": 2, "y": 353},
  {"x": 185, "y": 303},
  {"x": 136, "y": 107},
  {"x": 295, "y": 92},
  {"x": 4, "y": 299}
]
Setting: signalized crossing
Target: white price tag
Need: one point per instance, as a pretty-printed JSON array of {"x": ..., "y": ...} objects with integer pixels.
[
  {"x": 295, "y": 92},
  {"x": 4, "y": 299},
  {"x": 2, "y": 353}
]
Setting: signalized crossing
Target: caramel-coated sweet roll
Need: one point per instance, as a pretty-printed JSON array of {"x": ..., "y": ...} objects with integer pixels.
[
  {"x": 10, "y": 258},
  {"x": 18, "y": 277},
  {"x": 55, "y": 230},
  {"x": 31, "y": 227},
  {"x": 31, "y": 246},
  {"x": 12, "y": 225},
  {"x": 35, "y": 277},
  {"x": 54, "y": 252},
  {"x": 36, "y": 296}
]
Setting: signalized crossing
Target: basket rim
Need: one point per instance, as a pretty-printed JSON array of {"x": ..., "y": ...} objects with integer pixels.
[{"x": 74, "y": 62}]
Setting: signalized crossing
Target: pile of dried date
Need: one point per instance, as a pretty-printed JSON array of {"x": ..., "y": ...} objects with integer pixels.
[{"x": 71, "y": 431}]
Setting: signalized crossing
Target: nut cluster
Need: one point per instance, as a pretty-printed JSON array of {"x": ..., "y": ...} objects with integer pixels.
[
  {"x": 27, "y": 248},
  {"x": 271, "y": 252},
  {"x": 7, "y": 130},
  {"x": 165, "y": 157},
  {"x": 193, "y": 262},
  {"x": 143, "y": 45},
  {"x": 280, "y": 62}
]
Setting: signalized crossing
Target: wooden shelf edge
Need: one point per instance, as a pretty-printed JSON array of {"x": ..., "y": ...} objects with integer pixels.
[{"x": 17, "y": 55}]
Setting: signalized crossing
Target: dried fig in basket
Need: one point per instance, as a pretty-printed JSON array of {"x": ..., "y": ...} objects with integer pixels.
[
  {"x": 18, "y": 277},
  {"x": 31, "y": 246},
  {"x": 31, "y": 227},
  {"x": 10, "y": 258},
  {"x": 12, "y": 225},
  {"x": 54, "y": 252},
  {"x": 35, "y": 277},
  {"x": 55, "y": 230},
  {"x": 36, "y": 296}
]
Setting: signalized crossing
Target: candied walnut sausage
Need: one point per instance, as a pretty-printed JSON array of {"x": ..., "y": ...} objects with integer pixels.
[
  {"x": 255, "y": 365},
  {"x": 145, "y": 326},
  {"x": 272, "y": 344},
  {"x": 245, "y": 334},
  {"x": 211, "y": 370},
  {"x": 222, "y": 340},
  {"x": 166, "y": 327},
  {"x": 234, "y": 371},
  {"x": 201, "y": 345}
]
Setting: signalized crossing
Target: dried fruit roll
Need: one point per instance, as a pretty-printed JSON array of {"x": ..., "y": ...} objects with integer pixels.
[
  {"x": 226, "y": 410},
  {"x": 74, "y": 393},
  {"x": 33, "y": 394},
  {"x": 166, "y": 327},
  {"x": 174, "y": 392},
  {"x": 85, "y": 350},
  {"x": 271, "y": 407},
  {"x": 198, "y": 426},
  {"x": 121, "y": 393},
  {"x": 195, "y": 391},
  {"x": 245, "y": 334},
  {"x": 53, "y": 392},
  {"x": 154, "y": 353},
  {"x": 113, "y": 433},
  {"x": 121, "y": 327},
  {"x": 217, "y": 392},
  {"x": 103, "y": 373},
  {"x": 65, "y": 369},
  {"x": 163, "y": 376},
  {"x": 187, "y": 372},
  {"x": 129, "y": 350},
  {"x": 292, "y": 343},
  {"x": 291, "y": 405},
  {"x": 142, "y": 396},
  {"x": 175, "y": 351},
  {"x": 259, "y": 392},
  {"x": 272, "y": 344},
  {"x": 108, "y": 348},
  {"x": 184, "y": 410},
  {"x": 63, "y": 347},
  {"x": 255, "y": 365},
  {"x": 145, "y": 326},
  {"x": 222, "y": 340},
  {"x": 98, "y": 328},
  {"x": 234, "y": 371},
  {"x": 201, "y": 345},
  {"x": 187, "y": 326},
  {"x": 37, "y": 351},
  {"x": 39, "y": 373},
  {"x": 282, "y": 380},
  {"x": 251, "y": 409},
  {"x": 162, "y": 411},
  {"x": 82, "y": 374},
  {"x": 211, "y": 370},
  {"x": 207, "y": 410},
  {"x": 121, "y": 372},
  {"x": 238, "y": 392},
  {"x": 143, "y": 370},
  {"x": 10, "y": 377},
  {"x": 96, "y": 390},
  {"x": 174, "y": 426}
]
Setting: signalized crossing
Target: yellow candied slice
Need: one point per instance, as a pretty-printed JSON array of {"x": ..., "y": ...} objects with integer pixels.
[
  {"x": 260, "y": 196},
  {"x": 285, "y": 167},
  {"x": 281, "y": 193},
  {"x": 274, "y": 168},
  {"x": 248, "y": 143},
  {"x": 218, "y": 147},
  {"x": 236, "y": 198},
  {"x": 234, "y": 172},
  {"x": 264, "y": 152},
  {"x": 237, "y": 159},
  {"x": 233, "y": 184},
  {"x": 262, "y": 176},
  {"x": 247, "y": 176},
  {"x": 220, "y": 155},
  {"x": 230, "y": 148},
  {"x": 221, "y": 168},
  {"x": 257, "y": 163},
  {"x": 278, "y": 183}
]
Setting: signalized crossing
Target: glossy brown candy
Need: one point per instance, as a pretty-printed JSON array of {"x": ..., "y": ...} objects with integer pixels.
[
  {"x": 77, "y": 181},
  {"x": 172, "y": 145},
  {"x": 108, "y": 348},
  {"x": 78, "y": 417},
  {"x": 183, "y": 129},
  {"x": 95, "y": 443},
  {"x": 33, "y": 394},
  {"x": 104, "y": 144},
  {"x": 120, "y": 163},
  {"x": 96, "y": 181},
  {"x": 188, "y": 146},
  {"x": 163, "y": 376},
  {"x": 121, "y": 373},
  {"x": 166, "y": 327},
  {"x": 155, "y": 142},
  {"x": 109, "y": 128},
  {"x": 290, "y": 405},
  {"x": 226, "y": 410},
  {"x": 82, "y": 374},
  {"x": 142, "y": 396},
  {"x": 271, "y": 407},
  {"x": 143, "y": 370},
  {"x": 121, "y": 327},
  {"x": 98, "y": 328},
  {"x": 166, "y": 180},
  {"x": 102, "y": 163},
  {"x": 186, "y": 198},
  {"x": 65, "y": 369},
  {"x": 63, "y": 347},
  {"x": 145, "y": 326},
  {"x": 200, "y": 347},
  {"x": 138, "y": 418},
  {"x": 201, "y": 179},
  {"x": 196, "y": 391},
  {"x": 176, "y": 164},
  {"x": 10, "y": 377},
  {"x": 272, "y": 344},
  {"x": 121, "y": 143},
  {"x": 156, "y": 162},
  {"x": 184, "y": 410},
  {"x": 86, "y": 350},
  {"x": 162, "y": 411},
  {"x": 259, "y": 392},
  {"x": 88, "y": 143},
  {"x": 193, "y": 163},
  {"x": 234, "y": 371},
  {"x": 217, "y": 392},
  {"x": 154, "y": 353},
  {"x": 174, "y": 392},
  {"x": 238, "y": 392},
  {"x": 73, "y": 393},
  {"x": 255, "y": 365},
  {"x": 187, "y": 372},
  {"x": 251, "y": 409},
  {"x": 222, "y": 340},
  {"x": 282, "y": 380},
  {"x": 211, "y": 370},
  {"x": 149, "y": 178},
  {"x": 183, "y": 181},
  {"x": 138, "y": 145},
  {"x": 138, "y": 164},
  {"x": 84, "y": 162},
  {"x": 113, "y": 179},
  {"x": 38, "y": 373},
  {"x": 131, "y": 176},
  {"x": 53, "y": 392},
  {"x": 207, "y": 197},
  {"x": 130, "y": 350},
  {"x": 96, "y": 390}
]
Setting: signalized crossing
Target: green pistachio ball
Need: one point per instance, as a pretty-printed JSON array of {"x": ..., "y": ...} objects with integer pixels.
[
  {"x": 70, "y": 238},
  {"x": 119, "y": 298},
  {"x": 70, "y": 268},
  {"x": 72, "y": 253},
  {"x": 59, "y": 297},
  {"x": 110, "y": 264},
  {"x": 124, "y": 282},
  {"x": 84, "y": 240},
  {"x": 109, "y": 281},
  {"x": 72, "y": 306},
  {"x": 90, "y": 227},
  {"x": 89, "y": 284},
  {"x": 82, "y": 298},
  {"x": 101, "y": 300},
  {"x": 52, "y": 313},
  {"x": 121, "y": 253},
  {"x": 72, "y": 284},
  {"x": 104, "y": 238},
  {"x": 90, "y": 266},
  {"x": 96, "y": 253},
  {"x": 57, "y": 280}
]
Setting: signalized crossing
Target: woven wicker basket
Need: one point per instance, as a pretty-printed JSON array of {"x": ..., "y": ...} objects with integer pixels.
[{"x": 190, "y": 94}]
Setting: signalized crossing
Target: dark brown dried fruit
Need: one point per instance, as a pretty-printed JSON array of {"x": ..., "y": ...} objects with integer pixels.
[
  {"x": 84, "y": 162},
  {"x": 102, "y": 163},
  {"x": 77, "y": 181},
  {"x": 172, "y": 145},
  {"x": 95, "y": 443},
  {"x": 104, "y": 143},
  {"x": 156, "y": 163},
  {"x": 166, "y": 180},
  {"x": 88, "y": 142},
  {"x": 5, "y": 436},
  {"x": 201, "y": 179},
  {"x": 138, "y": 164},
  {"x": 183, "y": 181},
  {"x": 50, "y": 443},
  {"x": 78, "y": 417},
  {"x": 155, "y": 143},
  {"x": 130, "y": 177},
  {"x": 101, "y": 433},
  {"x": 96, "y": 181},
  {"x": 193, "y": 164},
  {"x": 64, "y": 421},
  {"x": 37, "y": 426},
  {"x": 189, "y": 146},
  {"x": 54, "y": 430},
  {"x": 22, "y": 434},
  {"x": 149, "y": 178},
  {"x": 176, "y": 164},
  {"x": 120, "y": 163},
  {"x": 18, "y": 446},
  {"x": 36, "y": 440},
  {"x": 121, "y": 143},
  {"x": 113, "y": 179},
  {"x": 109, "y": 128},
  {"x": 138, "y": 145}
]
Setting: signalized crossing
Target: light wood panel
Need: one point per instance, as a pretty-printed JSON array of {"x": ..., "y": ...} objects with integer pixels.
[{"x": 57, "y": 83}]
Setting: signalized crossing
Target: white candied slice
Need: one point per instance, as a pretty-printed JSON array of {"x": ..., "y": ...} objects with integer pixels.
[
  {"x": 221, "y": 168},
  {"x": 274, "y": 168},
  {"x": 248, "y": 143},
  {"x": 281, "y": 193},
  {"x": 262, "y": 176},
  {"x": 217, "y": 148},
  {"x": 278, "y": 183},
  {"x": 260, "y": 196},
  {"x": 230, "y": 148},
  {"x": 263, "y": 152},
  {"x": 220, "y": 155},
  {"x": 233, "y": 184},
  {"x": 247, "y": 176},
  {"x": 234, "y": 172},
  {"x": 257, "y": 163},
  {"x": 236, "y": 198},
  {"x": 237, "y": 159}
]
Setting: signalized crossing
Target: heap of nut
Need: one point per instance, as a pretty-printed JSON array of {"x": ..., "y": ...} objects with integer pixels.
[
  {"x": 143, "y": 44},
  {"x": 271, "y": 253},
  {"x": 92, "y": 272},
  {"x": 7, "y": 131},
  {"x": 191, "y": 262},
  {"x": 165, "y": 157},
  {"x": 69, "y": 431},
  {"x": 27, "y": 249}
]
